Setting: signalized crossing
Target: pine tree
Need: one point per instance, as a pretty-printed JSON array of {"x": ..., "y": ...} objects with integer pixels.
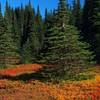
[
  {"x": 49, "y": 19},
  {"x": 61, "y": 13},
  {"x": 30, "y": 37},
  {"x": 48, "y": 23},
  {"x": 86, "y": 21},
  {"x": 38, "y": 26},
  {"x": 64, "y": 48},
  {"x": 8, "y": 17},
  {"x": 90, "y": 25},
  {"x": 76, "y": 13},
  {"x": 71, "y": 16},
  {"x": 7, "y": 47},
  {"x": 2, "y": 29},
  {"x": 15, "y": 29},
  {"x": 95, "y": 18},
  {"x": 20, "y": 21}
]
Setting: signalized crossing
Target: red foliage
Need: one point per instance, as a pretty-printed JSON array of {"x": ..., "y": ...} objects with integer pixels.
[
  {"x": 36, "y": 90},
  {"x": 21, "y": 69}
]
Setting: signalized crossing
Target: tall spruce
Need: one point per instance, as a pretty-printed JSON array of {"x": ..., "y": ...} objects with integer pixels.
[
  {"x": 38, "y": 26},
  {"x": 8, "y": 50},
  {"x": 2, "y": 32},
  {"x": 96, "y": 28},
  {"x": 63, "y": 46},
  {"x": 30, "y": 37},
  {"x": 86, "y": 21},
  {"x": 49, "y": 19},
  {"x": 62, "y": 19},
  {"x": 91, "y": 24},
  {"x": 49, "y": 22},
  {"x": 20, "y": 19},
  {"x": 76, "y": 13},
  {"x": 16, "y": 34},
  {"x": 8, "y": 18}
]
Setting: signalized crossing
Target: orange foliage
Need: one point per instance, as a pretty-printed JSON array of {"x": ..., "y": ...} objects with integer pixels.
[
  {"x": 21, "y": 69},
  {"x": 36, "y": 90}
]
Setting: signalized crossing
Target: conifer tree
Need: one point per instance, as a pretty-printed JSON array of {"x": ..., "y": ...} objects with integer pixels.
[
  {"x": 62, "y": 19},
  {"x": 48, "y": 24},
  {"x": 7, "y": 46},
  {"x": 20, "y": 21},
  {"x": 73, "y": 12},
  {"x": 91, "y": 24},
  {"x": 49, "y": 19},
  {"x": 2, "y": 29},
  {"x": 16, "y": 35},
  {"x": 96, "y": 27},
  {"x": 86, "y": 21},
  {"x": 63, "y": 46},
  {"x": 30, "y": 37},
  {"x": 76, "y": 13},
  {"x": 8, "y": 17},
  {"x": 38, "y": 26}
]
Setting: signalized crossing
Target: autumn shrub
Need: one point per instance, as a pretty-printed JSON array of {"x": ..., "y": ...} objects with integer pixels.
[{"x": 37, "y": 90}]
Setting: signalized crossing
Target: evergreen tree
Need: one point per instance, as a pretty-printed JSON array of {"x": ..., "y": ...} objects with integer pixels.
[
  {"x": 63, "y": 46},
  {"x": 2, "y": 29},
  {"x": 73, "y": 13},
  {"x": 62, "y": 19},
  {"x": 76, "y": 13},
  {"x": 71, "y": 16},
  {"x": 49, "y": 19},
  {"x": 30, "y": 37},
  {"x": 20, "y": 21},
  {"x": 91, "y": 24},
  {"x": 38, "y": 26},
  {"x": 15, "y": 30},
  {"x": 96, "y": 27},
  {"x": 7, "y": 47},
  {"x": 8, "y": 18},
  {"x": 48, "y": 23},
  {"x": 86, "y": 21}
]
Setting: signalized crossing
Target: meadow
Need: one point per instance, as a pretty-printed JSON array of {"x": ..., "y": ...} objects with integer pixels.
[{"x": 36, "y": 89}]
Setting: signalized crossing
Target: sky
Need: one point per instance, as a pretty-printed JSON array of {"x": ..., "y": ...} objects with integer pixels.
[{"x": 49, "y": 4}]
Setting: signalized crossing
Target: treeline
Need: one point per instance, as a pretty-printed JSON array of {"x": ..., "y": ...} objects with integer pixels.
[
  {"x": 21, "y": 34},
  {"x": 68, "y": 36}
]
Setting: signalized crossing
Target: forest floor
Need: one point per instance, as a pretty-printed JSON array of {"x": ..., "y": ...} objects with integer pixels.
[{"x": 34, "y": 89}]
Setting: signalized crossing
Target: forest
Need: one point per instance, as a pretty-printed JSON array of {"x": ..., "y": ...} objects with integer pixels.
[{"x": 61, "y": 48}]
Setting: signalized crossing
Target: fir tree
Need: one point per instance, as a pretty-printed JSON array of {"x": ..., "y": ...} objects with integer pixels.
[
  {"x": 49, "y": 19},
  {"x": 30, "y": 37},
  {"x": 62, "y": 19},
  {"x": 76, "y": 13},
  {"x": 86, "y": 21},
  {"x": 38, "y": 26},
  {"x": 48, "y": 23},
  {"x": 15, "y": 29},
  {"x": 2, "y": 29},
  {"x": 7, "y": 46},
  {"x": 8, "y": 18},
  {"x": 91, "y": 24},
  {"x": 64, "y": 48},
  {"x": 96, "y": 27}
]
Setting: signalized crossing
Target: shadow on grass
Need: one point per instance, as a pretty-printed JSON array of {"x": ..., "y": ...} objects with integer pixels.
[
  {"x": 24, "y": 77},
  {"x": 42, "y": 75}
]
